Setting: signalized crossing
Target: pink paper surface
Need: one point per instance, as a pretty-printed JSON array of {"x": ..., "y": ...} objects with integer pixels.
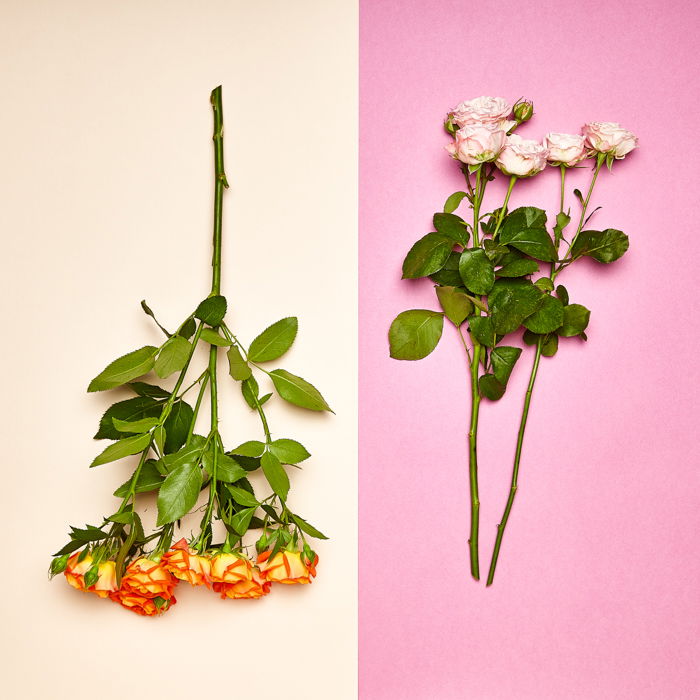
[{"x": 597, "y": 593}]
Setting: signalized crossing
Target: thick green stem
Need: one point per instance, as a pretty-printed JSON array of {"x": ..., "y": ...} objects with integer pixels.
[
  {"x": 478, "y": 196},
  {"x": 502, "y": 211},
  {"x": 473, "y": 469},
  {"x": 516, "y": 465},
  {"x": 220, "y": 183}
]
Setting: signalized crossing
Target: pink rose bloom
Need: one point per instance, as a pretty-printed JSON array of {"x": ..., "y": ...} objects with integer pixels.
[
  {"x": 609, "y": 138},
  {"x": 483, "y": 110},
  {"x": 522, "y": 157},
  {"x": 566, "y": 149},
  {"x": 477, "y": 143}
]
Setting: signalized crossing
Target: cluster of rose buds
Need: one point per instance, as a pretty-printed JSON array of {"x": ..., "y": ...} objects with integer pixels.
[
  {"x": 483, "y": 133},
  {"x": 148, "y": 584}
]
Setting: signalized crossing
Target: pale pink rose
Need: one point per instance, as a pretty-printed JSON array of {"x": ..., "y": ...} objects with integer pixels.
[
  {"x": 609, "y": 138},
  {"x": 477, "y": 143},
  {"x": 566, "y": 149},
  {"x": 522, "y": 157},
  {"x": 483, "y": 110}
]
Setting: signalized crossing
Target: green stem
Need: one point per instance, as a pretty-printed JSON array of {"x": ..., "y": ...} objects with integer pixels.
[
  {"x": 502, "y": 212},
  {"x": 473, "y": 468},
  {"x": 582, "y": 219},
  {"x": 478, "y": 196},
  {"x": 516, "y": 465},
  {"x": 200, "y": 396},
  {"x": 563, "y": 181}
]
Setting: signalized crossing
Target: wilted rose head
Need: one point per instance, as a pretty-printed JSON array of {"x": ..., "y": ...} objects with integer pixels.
[
  {"x": 565, "y": 149},
  {"x": 483, "y": 110},
  {"x": 609, "y": 138},
  {"x": 522, "y": 157}
]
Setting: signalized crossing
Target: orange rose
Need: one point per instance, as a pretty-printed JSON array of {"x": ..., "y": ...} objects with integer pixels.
[
  {"x": 287, "y": 567},
  {"x": 149, "y": 579},
  {"x": 185, "y": 564},
  {"x": 230, "y": 568},
  {"x": 142, "y": 605},
  {"x": 256, "y": 587},
  {"x": 75, "y": 570},
  {"x": 107, "y": 581}
]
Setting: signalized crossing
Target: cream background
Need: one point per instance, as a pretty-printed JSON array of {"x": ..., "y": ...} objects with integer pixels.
[{"x": 107, "y": 188}]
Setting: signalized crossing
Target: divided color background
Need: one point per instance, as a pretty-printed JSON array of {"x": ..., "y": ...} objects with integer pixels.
[{"x": 597, "y": 591}]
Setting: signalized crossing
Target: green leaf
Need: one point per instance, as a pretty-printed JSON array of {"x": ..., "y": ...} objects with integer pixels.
[
  {"x": 137, "y": 426},
  {"x": 238, "y": 367},
  {"x": 547, "y": 318},
  {"x": 151, "y": 390},
  {"x": 511, "y": 301},
  {"x": 414, "y": 334},
  {"x": 212, "y": 310},
  {"x": 455, "y": 303},
  {"x": 576, "y": 318},
  {"x": 242, "y": 497},
  {"x": 122, "y": 448},
  {"x": 453, "y": 227},
  {"x": 503, "y": 359},
  {"x": 252, "y": 448},
  {"x": 128, "y": 411},
  {"x": 449, "y": 275},
  {"x": 428, "y": 255},
  {"x": 476, "y": 271},
  {"x": 147, "y": 310},
  {"x": 124, "y": 369},
  {"x": 550, "y": 345},
  {"x": 289, "y": 451},
  {"x": 191, "y": 453},
  {"x": 523, "y": 218},
  {"x": 188, "y": 328},
  {"x": 241, "y": 520},
  {"x": 490, "y": 387},
  {"x": 250, "y": 391},
  {"x": 228, "y": 470},
  {"x": 209, "y": 335},
  {"x": 298, "y": 391},
  {"x": 308, "y": 528},
  {"x": 494, "y": 251},
  {"x": 177, "y": 426},
  {"x": 532, "y": 241},
  {"x": 275, "y": 475},
  {"x": 274, "y": 341},
  {"x": 453, "y": 201},
  {"x": 518, "y": 268},
  {"x": 150, "y": 479},
  {"x": 481, "y": 328},
  {"x": 173, "y": 356},
  {"x": 562, "y": 294},
  {"x": 179, "y": 493},
  {"x": 603, "y": 246},
  {"x": 544, "y": 284}
]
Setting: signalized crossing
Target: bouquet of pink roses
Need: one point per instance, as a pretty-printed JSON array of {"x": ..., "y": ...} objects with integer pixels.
[{"x": 487, "y": 267}]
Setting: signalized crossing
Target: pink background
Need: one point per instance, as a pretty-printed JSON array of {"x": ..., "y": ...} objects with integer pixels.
[{"x": 597, "y": 590}]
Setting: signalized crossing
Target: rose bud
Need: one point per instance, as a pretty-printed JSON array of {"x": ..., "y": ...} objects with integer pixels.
[
  {"x": 565, "y": 149},
  {"x": 522, "y": 157},
  {"x": 76, "y": 568},
  {"x": 255, "y": 587},
  {"x": 609, "y": 138},
  {"x": 287, "y": 566},
  {"x": 477, "y": 143},
  {"x": 187, "y": 564},
  {"x": 523, "y": 111}
]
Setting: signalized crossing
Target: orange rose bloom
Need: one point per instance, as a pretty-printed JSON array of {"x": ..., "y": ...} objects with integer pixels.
[
  {"x": 107, "y": 571},
  {"x": 287, "y": 567},
  {"x": 142, "y": 605},
  {"x": 75, "y": 571},
  {"x": 256, "y": 587},
  {"x": 185, "y": 564},
  {"x": 230, "y": 568},
  {"x": 149, "y": 579}
]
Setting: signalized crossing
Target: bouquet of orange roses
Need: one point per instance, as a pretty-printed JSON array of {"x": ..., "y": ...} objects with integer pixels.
[{"x": 118, "y": 559}]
